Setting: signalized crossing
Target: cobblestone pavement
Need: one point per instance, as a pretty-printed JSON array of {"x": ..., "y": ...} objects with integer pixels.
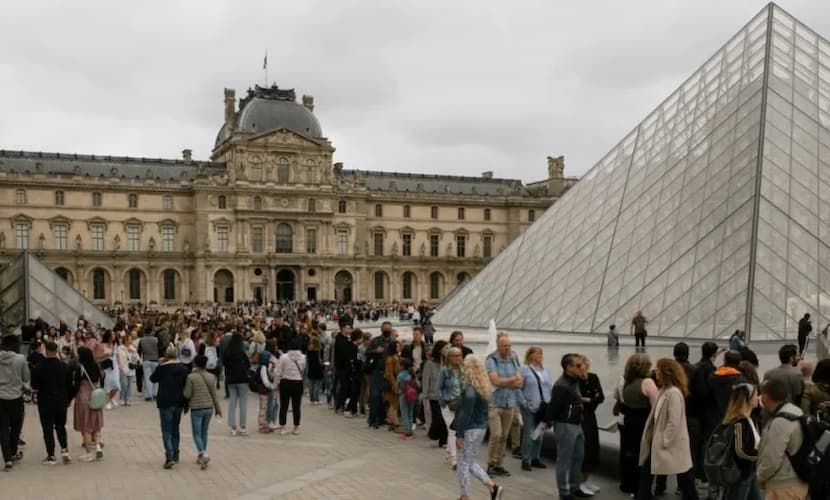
[{"x": 332, "y": 458}]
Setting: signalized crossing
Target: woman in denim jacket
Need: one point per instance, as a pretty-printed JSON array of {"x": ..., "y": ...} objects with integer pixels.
[{"x": 536, "y": 390}]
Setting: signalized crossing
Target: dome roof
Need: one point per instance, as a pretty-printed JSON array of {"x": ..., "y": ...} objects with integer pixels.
[{"x": 265, "y": 109}]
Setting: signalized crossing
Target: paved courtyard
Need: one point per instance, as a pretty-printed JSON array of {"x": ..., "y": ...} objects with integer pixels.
[{"x": 334, "y": 457}]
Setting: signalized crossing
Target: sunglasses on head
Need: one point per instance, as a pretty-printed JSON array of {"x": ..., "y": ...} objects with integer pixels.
[{"x": 749, "y": 388}]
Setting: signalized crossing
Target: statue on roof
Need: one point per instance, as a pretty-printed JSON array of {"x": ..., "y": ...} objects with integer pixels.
[{"x": 273, "y": 93}]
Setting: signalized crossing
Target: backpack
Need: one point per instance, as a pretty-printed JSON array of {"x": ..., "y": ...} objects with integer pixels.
[
  {"x": 410, "y": 391},
  {"x": 719, "y": 462},
  {"x": 255, "y": 382},
  {"x": 212, "y": 357},
  {"x": 811, "y": 430}
]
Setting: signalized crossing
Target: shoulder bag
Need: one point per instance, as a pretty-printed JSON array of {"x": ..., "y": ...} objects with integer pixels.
[
  {"x": 541, "y": 413},
  {"x": 98, "y": 397}
]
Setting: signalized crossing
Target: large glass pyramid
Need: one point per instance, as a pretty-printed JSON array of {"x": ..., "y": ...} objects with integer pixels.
[
  {"x": 29, "y": 289},
  {"x": 713, "y": 214}
]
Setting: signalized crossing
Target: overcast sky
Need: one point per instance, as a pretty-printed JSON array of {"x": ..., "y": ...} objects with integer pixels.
[{"x": 456, "y": 87}]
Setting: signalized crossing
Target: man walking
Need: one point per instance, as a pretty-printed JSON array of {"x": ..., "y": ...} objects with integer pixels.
[
  {"x": 503, "y": 369},
  {"x": 804, "y": 330},
  {"x": 565, "y": 413},
  {"x": 53, "y": 382},
  {"x": 638, "y": 329},
  {"x": 148, "y": 348},
  {"x": 376, "y": 360},
  {"x": 14, "y": 373}
]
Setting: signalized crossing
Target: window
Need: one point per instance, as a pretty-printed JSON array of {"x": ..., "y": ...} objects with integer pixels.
[
  {"x": 379, "y": 282},
  {"x": 311, "y": 241},
  {"x": 168, "y": 239},
  {"x": 487, "y": 214},
  {"x": 406, "y": 247},
  {"x": 96, "y": 199},
  {"x": 20, "y": 197},
  {"x": 282, "y": 171},
  {"x": 342, "y": 242},
  {"x": 22, "y": 235},
  {"x": 378, "y": 243},
  {"x": 222, "y": 238},
  {"x": 60, "y": 236},
  {"x": 169, "y": 279},
  {"x": 97, "y": 237},
  {"x": 167, "y": 202},
  {"x": 433, "y": 212},
  {"x": 460, "y": 245},
  {"x": 257, "y": 203},
  {"x": 285, "y": 239},
  {"x": 434, "y": 239},
  {"x": 531, "y": 215},
  {"x": 487, "y": 243},
  {"x": 256, "y": 173},
  {"x": 407, "y": 286},
  {"x": 407, "y": 211},
  {"x": 99, "y": 287},
  {"x": 59, "y": 198},
  {"x": 132, "y": 201},
  {"x": 434, "y": 285},
  {"x": 378, "y": 210},
  {"x": 256, "y": 239},
  {"x": 134, "y": 278},
  {"x": 312, "y": 205},
  {"x": 460, "y": 213},
  {"x": 133, "y": 238},
  {"x": 223, "y": 202},
  {"x": 341, "y": 207}
]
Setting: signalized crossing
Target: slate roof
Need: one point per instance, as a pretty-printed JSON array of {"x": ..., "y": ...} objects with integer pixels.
[
  {"x": 106, "y": 166},
  {"x": 427, "y": 183}
]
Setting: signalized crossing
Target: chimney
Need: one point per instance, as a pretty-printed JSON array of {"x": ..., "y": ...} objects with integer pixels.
[
  {"x": 187, "y": 155},
  {"x": 308, "y": 102},
  {"x": 487, "y": 175},
  {"x": 230, "y": 105}
]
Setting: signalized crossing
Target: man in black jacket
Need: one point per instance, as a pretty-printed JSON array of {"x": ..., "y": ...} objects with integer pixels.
[
  {"x": 804, "y": 329},
  {"x": 342, "y": 367},
  {"x": 699, "y": 394},
  {"x": 284, "y": 333},
  {"x": 53, "y": 382},
  {"x": 376, "y": 363},
  {"x": 565, "y": 412}
]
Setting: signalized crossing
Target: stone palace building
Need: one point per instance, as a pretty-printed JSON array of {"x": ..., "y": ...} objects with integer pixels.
[{"x": 271, "y": 216}]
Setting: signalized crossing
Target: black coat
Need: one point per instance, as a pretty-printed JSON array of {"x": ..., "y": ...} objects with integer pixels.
[
  {"x": 342, "y": 351},
  {"x": 236, "y": 367},
  {"x": 171, "y": 378},
  {"x": 53, "y": 382}
]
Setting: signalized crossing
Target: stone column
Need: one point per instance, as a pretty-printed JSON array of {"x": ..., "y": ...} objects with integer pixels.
[
  {"x": 299, "y": 282},
  {"x": 272, "y": 288}
]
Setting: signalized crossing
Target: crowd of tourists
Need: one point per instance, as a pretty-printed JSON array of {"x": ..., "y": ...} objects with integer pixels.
[{"x": 716, "y": 425}]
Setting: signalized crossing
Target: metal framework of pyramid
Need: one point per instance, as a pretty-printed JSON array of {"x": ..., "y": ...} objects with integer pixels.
[
  {"x": 29, "y": 289},
  {"x": 712, "y": 215}
]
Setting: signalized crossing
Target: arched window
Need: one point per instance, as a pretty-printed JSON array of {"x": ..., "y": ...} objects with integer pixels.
[
  {"x": 257, "y": 203},
  {"x": 169, "y": 279},
  {"x": 223, "y": 202},
  {"x": 379, "y": 285},
  {"x": 20, "y": 197},
  {"x": 312, "y": 205},
  {"x": 134, "y": 279},
  {"x": 285, "y": 239},
  {"x": 435, "y": 285},
  {"x": 406, "y": 286},
  {"x": 132, "y": 200},
  {"x": 99, "y": 289},
  {"x": 282, "y": 170},
  {"x": 341, "y": 207}
]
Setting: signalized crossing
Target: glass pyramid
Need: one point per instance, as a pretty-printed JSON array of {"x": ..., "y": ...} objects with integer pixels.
[
  {"x": 713, "y": 214},
  {"x": 29, "y": 289}
]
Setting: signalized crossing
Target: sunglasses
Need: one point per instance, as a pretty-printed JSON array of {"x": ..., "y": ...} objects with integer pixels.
[{"x": 749, "y": 388}]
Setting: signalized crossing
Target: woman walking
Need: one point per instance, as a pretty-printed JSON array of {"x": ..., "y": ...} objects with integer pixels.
[
  {"x": 429, "y": 392},
  {"x": 747, "y": 437},
  {"x": 535, "y": 395},
  {"x": 289, "y": 376},
  {"x": 105, "y": 356},
  {"x": 664, "y": 448},
  {"x": 449, "y": 392},
  {"x": 236, "y": 364},
  {"x": 471, "y": 425},
  {"x": 200, "y": 393},
  {"x": 88, "y": 422},
  {"x": 170, "y": 376},
  {"x": 592, "y": 397}
]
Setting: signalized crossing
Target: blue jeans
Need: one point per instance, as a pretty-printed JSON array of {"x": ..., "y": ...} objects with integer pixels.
[
  {"x": 531, "y": 448},
  {"x": 314, "y": 387},
  {"x": 151, "y": 390},
  {"x": 199, "y": 424},
  {"x": 171, "y": 418},
  {"x": 127, "y": 388},
  {"x": 570, "y": 449},
  {"x": 238, "y": 398},
  {"x": 407, "y": 410},
  {"x": 273, "y": 407}
]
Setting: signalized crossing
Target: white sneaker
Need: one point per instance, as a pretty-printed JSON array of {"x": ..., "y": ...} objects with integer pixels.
[
  {"x": 87, "y": 457},
  {"x": 284, "y": 432},
  {"x": 349, "y": 414},
  {"x": 233, "y": 432},
  {"x": 108, "y": 406},
  {"x": 296, "y": 431},
  {"x": 115, "y": 404},
  {"x": 273, "y": 426},
  {"x": 585, "y": 490},
  {"x": 594, "y": 488},
  {"x": 242, "y": 432}
]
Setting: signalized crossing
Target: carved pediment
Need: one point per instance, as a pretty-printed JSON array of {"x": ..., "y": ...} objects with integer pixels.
[
  {"x": 60, "y": 219},
  {"x": 222, "y": 222},
  {"x": 132, "y": 221},
  {"x": 168, "y": 223},
  {"x": 406, "y": 230},
  {"x": 377, "y": 229},
  {"x": 283, "y": 136},
  {"x": 96, "y": 221},
  {"x": 342, "y": 226},
  {"x": 21, "y": 219}
]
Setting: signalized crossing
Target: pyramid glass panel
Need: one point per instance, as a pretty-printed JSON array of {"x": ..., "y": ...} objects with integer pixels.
[{"x": 709, "y": 216}]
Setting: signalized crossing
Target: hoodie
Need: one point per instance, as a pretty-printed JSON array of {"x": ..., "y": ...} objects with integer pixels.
[
  {"x": 290, "y": 366},
  {"x": 14, "y": 373}
]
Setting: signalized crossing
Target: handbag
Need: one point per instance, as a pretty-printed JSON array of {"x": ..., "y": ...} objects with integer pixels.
[
  {"x": 98, "y": 397},
  {"x": 541, "y": 413}
]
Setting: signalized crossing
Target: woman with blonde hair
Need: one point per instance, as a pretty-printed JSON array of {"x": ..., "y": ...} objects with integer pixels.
[
  {"x": 747, "y": 437},
  {"x": 534, "y": 396},
  {"x": 664, "y": 449},
  {"x": 470, "y": 425}
]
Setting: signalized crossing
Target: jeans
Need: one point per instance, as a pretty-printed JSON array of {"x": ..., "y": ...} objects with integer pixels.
[
  {"x": 467, "y": 463},
  {"x": 53, "y": 421},
  {"x": 500, "y": 421},
  {"x": 273, "y": 407},
  {"x": 238, "y": 398},
  {"x": 331, "y": 387},
  {"x": 151, "y": 390},
  {"x": 290, "y": 390},
  {"x": 531, "y": 448},
  {"x": 171, "y": 418},
  {"x": 570, "y": 449},
  {"x": 377, "y": 415},
  {"x": 407, "y": 411},
  {"x": 685, "y": 482},
  {"x": 127, "y": 388},
  {"x": 11, "y": 423},
  {"x": 314, "y": 388},
  {"x": 199, "y": 425}
]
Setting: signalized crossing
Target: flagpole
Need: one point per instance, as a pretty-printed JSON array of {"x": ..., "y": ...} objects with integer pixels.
[{"x": 265, "y": 67}]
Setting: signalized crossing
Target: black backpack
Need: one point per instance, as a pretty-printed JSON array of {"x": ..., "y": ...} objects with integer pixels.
[
  {"x": 719, "y": 461},
  {"x": 811, "y": 429}
]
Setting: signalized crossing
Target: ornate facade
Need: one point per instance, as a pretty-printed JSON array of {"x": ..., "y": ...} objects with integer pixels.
[{"x": 271, "y": 216}]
